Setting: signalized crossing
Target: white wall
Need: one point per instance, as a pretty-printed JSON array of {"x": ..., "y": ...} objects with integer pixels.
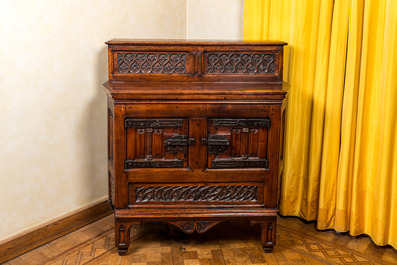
[
  {"x": 53, "y": 62},
  {"x": 215, "y": 19}
]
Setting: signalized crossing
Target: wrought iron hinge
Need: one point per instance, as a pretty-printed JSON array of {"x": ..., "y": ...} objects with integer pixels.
[{"x": 216, "y": 143}]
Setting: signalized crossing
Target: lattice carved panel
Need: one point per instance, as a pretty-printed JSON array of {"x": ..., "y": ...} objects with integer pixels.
[
  {"x": 151, "y": 63},
  {"x": 239, "y": 63}
]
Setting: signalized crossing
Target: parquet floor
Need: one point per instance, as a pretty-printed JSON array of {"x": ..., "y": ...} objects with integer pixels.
[{"x": 227, "y": 243}]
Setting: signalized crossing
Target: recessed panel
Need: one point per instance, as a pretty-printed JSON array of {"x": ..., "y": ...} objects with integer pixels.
[
  {"x": 156, "y": 143},
  {"x": 238, "y": 143},
  {"x": 196, "y": 193}
]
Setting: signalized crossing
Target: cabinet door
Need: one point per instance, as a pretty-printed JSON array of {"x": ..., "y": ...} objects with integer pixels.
[
  {"x": 156, "y": 143},
  {"x": 237, "y": 143}
]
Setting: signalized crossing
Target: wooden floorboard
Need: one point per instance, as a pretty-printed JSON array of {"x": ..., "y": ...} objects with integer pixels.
[
  {"x": 232, "y": 243},
  {"x": 52, "y": 231}
]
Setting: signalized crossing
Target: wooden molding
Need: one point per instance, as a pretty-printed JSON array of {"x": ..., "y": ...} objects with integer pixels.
[{"x": 48, "y": 232}]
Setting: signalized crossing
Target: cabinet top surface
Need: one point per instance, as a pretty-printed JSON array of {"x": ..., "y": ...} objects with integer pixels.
[{"x": 193, "y": 42}]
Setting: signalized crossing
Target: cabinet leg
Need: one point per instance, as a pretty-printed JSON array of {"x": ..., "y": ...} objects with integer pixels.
[
  {"x": 122, "y": 237},
  {"x": 268, "y": 234}
]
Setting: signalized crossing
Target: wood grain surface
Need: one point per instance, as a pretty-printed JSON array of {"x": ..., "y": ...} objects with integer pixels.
[{"x": 232, "y": 243}]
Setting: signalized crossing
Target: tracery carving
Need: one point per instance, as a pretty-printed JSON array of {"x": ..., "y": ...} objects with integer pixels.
[
  {"x": 151, "y": 63},
  {"x": 197, "y": 193},
  {"x": 190, "y": 227},
  {"x": 240, "y": 63}
]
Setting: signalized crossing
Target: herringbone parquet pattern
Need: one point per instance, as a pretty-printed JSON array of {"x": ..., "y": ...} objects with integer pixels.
[{"x": 228, "y": 243}]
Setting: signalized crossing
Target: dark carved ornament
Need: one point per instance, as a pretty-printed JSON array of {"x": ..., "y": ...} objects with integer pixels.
[
  {"x": 247, "y": 123},
  {"x": 197, "y": 193},
  {"x": 136, "y": 123},
  {"x": 190, "y": 227},
  {"x": 240, "y": 63},
  {"x": 151, "y": 63},
  {"x": 175, "y": 163},
  {"x": 240, "y": 163}
]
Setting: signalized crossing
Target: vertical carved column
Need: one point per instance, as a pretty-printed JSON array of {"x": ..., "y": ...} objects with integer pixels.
[
  {"x": 122, "y": 238},
  {"x": 149, "y": 142},
  {"x": 198, "y": 62},
  {"x": 122, "y": 241},
  {"x": 268, "y": 234}
]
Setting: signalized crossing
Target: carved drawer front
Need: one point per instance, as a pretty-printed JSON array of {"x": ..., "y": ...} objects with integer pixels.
[
  {"x": 252, "y": 64},
  {"x": 141, "y": 64},
  {"x": 237, "y": 143},
  {"x": 195, "y": 193},
  {"x": 157, "y": 143}
]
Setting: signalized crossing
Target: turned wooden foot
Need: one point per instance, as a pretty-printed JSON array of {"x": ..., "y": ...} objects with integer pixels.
[{"x": 268, "y": 234}]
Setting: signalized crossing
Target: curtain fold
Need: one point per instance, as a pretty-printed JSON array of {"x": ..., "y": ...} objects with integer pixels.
[{"x": 340, "y": 156}]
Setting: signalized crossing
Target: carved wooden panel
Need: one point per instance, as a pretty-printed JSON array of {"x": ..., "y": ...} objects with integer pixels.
[
  {"x": 239, "y": 63},
  {"x": 227, "y": 193},
  {"x": 152, "y": 62},
  {"x": 190, "y": 227},
  {"x": 195, "y": 61},
  {"x": 149, "y": 143},
  {"x": 244, "y": 144}
]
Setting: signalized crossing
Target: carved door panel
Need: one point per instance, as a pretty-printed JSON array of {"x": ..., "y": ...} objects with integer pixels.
[
  {"x": 237, "y": 143},
  {"x": 157, "y": 143}
]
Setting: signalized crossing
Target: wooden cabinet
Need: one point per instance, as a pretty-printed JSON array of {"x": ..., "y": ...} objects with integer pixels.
[{"x": 194, "y": 134}]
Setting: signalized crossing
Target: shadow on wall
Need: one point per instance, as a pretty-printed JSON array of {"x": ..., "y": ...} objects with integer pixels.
[{"x": 95, "y": 134}]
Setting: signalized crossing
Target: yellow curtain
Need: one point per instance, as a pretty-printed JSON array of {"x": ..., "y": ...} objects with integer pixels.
[{"x": 340, "y": 162}]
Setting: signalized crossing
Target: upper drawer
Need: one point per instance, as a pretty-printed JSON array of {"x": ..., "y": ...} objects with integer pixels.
[{"x": 133, "y": 60}]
